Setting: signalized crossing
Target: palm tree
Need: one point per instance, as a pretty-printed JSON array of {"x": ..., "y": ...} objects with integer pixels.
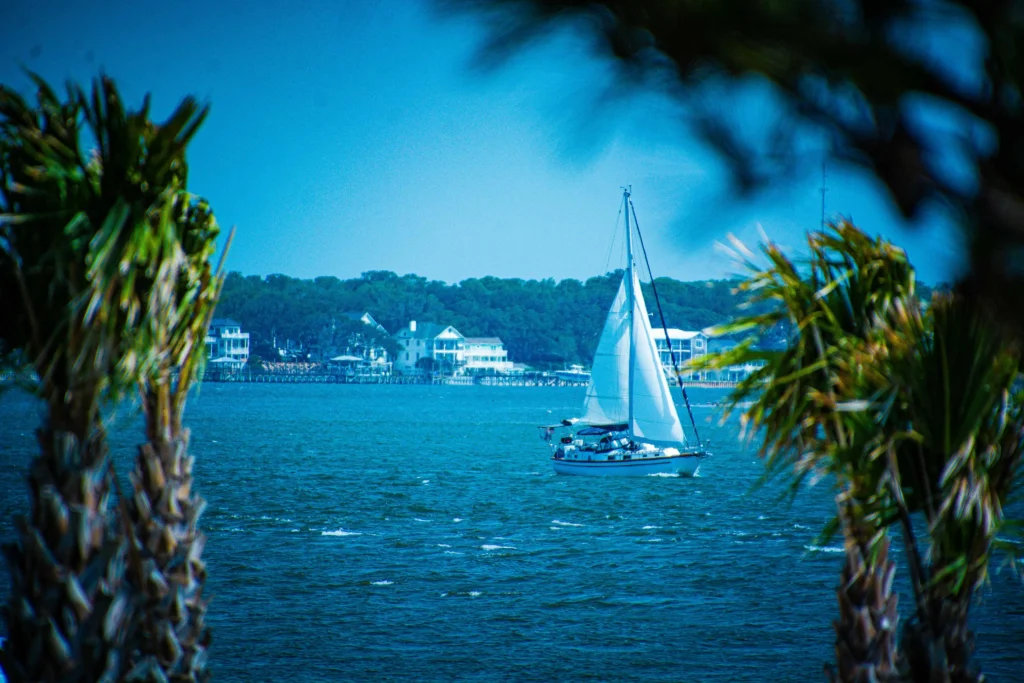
[
  {"x": 66, "y": 612},
  {"x": 909, "y": 412},
  {"x": 171, "y": 637},
  {"x": 73, "y": 602},
  {"x": 797, "y": 404},
  {"x": 955, "y": 458}
]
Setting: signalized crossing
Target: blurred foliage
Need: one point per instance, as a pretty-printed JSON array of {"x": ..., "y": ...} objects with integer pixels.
[
  {"x": 860, "y": 74},
  {"x": 542, "y": 322}
]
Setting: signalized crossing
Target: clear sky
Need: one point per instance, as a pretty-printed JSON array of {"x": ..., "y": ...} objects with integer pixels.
[{"x": 355, "y": 135}]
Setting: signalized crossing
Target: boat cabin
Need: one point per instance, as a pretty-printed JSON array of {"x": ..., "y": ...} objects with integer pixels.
[{"x": 598, "y": 442}]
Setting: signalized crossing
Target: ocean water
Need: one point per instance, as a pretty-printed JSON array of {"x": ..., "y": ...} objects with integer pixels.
[{"x": 417, "y": 533}]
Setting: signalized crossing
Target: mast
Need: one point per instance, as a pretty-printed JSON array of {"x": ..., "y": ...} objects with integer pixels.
[{"x": 630, "y": 304}]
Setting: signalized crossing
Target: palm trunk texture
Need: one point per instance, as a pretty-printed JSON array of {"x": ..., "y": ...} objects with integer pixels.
[
  {"x": 69, "y": 605},
  {"x": 868, "y": 617},
  {"x": 172, "y": 636}
]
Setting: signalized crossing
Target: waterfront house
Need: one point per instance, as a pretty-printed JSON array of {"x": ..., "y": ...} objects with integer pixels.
[
  {"x": 486, "y": 355},
  {"x": 364, "y": 346},
  {"x": 686, "y": 345},
  {"x": 442, "y": 344},
  {"x": 227, "y": 347}
]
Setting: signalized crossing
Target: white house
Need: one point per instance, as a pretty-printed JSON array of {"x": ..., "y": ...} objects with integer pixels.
[
  {"x": 359, "y": 357},
  {"x": 486, "y": 354},
  {"x": 686, "y": 345},
  {"x": 226, "y": 344},
  {"x": 357, "y": 345},
  {"x": 443, "y": 344}
]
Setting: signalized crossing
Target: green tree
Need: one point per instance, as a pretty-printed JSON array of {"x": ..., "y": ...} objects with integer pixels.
[{"x": 170, "y": 635}]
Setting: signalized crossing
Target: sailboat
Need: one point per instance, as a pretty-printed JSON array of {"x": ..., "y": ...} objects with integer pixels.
[{"x": 629, "y": 426}]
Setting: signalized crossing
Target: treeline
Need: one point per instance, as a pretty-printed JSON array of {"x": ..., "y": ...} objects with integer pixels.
[{"x": 542, "y": 322}]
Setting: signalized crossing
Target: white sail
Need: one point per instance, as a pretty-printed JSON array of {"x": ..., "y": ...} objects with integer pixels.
[
  {"x": 654, "y": 417},
  {"x": 654, "y": 413},
  {"x": 607, "y": 399}
]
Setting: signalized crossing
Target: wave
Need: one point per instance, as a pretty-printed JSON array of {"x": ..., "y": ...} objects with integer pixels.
[
  {"x": 275, "y": 519},
  {"x": 651, "y": 526},
  {"x": 673, "y": 475},
  {"x": 800, "y": 526},
  {"x": 420, "y": 520},
  {"x": 381, "y": 583},
  {"x": 457, "y": 519},
  {"x": 823, "y": 549},
  {"x": 340, "y": 532},
  {"x": 488, "y": 547},
  {"x": 555, "y": 521}
]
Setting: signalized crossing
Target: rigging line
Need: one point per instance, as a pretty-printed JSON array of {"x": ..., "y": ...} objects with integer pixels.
[
  {"x": 611, "y": 246},
  {"x": 664, "y": 327}
]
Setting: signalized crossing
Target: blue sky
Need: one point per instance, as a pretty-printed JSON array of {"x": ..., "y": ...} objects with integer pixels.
[{"x": 357, "y": 135}]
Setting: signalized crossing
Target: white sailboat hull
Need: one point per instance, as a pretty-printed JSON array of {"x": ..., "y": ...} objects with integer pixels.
[{"x": 683, "y": 464}]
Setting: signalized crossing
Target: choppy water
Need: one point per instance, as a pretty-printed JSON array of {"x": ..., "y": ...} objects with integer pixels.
[{"x": 418, "y": 533}]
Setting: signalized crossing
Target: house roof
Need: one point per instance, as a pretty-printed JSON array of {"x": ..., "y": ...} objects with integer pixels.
[
  {"x": 364, "y": 317},
  {"x": 673, "y": 333},
  {"x": 425, "y": 331},
  {"x": 224, "y": 322},
  {"x": 484, "y": 340}
]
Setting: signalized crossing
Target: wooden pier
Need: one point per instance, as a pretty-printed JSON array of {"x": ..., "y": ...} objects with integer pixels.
[
  {"x": 314, "y": 377},
  {"x": 248, "y": 377}
]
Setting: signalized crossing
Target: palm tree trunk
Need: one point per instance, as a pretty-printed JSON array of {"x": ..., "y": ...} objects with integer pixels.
[
  {"x": 171, "y": 635},
  {"x": 67, "y": 615},
  {"x": 866, "y": 628}
]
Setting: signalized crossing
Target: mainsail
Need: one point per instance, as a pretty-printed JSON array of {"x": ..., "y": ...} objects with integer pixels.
[{"x": 621, "y": 376}]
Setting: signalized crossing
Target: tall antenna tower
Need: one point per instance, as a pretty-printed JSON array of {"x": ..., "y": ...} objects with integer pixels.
[{"x": 824, "y": 176}]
